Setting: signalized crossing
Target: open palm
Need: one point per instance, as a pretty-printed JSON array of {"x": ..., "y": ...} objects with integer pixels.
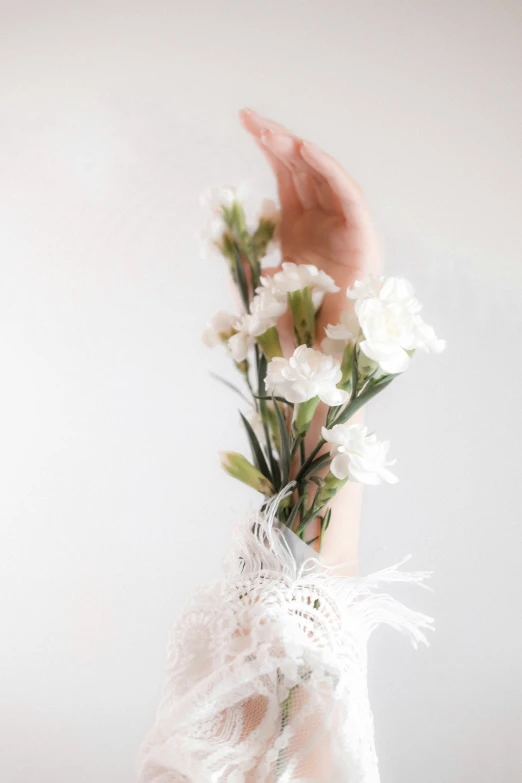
[{"x": 324, "y": 219}]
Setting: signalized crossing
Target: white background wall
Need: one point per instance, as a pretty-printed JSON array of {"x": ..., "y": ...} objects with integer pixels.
[{"x": 113, "y": 117}]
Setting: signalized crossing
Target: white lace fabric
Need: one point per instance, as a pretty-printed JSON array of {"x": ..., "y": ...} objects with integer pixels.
[{"x": 266, "y": 672}]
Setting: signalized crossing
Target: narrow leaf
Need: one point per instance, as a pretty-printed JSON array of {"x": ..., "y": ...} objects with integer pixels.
[
  {"x": 326, "y": 519},
  {"x": 241, "y": 280},
  {"x": 285, "y": 446},
  {"x": 355, "y": 359},
  {"x": 293, "y": 514},
  {"x": 257, "y": 451},
  {"x": 230, "y": 386},
  {"x": 317, "y": 464},
  {"x": 279, "y": 399},
  {"x": 371, "y": 391}
]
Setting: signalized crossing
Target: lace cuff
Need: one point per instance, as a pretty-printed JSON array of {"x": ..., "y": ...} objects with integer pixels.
[{"x": 266, "y": 673}]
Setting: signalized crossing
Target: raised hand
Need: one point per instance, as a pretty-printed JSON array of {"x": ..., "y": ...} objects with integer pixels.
[{"x": 325, "y": 220}]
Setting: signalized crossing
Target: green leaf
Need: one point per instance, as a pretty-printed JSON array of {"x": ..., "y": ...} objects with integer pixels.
[
  {"x": 257, "y": 451},
  {"x": 241, "y": 280},
  {"x": 355, "y": 359},
  {"x": 311, "y": 456},
  {"x": 326, "y": 519},
  {"x": 261, "y": 372},
  {"x": 293, "y": 514},
  {"x": 332, "y": 413},
  {"x": 297, "y": 442},
  {"x": 285, "y": 445},
  {"x": 317, "y": 480},
  {"x": 279, "y": 399},
  {"x": 274, "y": 466},
  {"x": 316, "y": 464},
  {"x": 369, "y": 392},
  {"x": 230, "y": 386}
]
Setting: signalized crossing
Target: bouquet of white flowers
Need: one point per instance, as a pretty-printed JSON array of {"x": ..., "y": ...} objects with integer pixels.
[{"x": 374, "y": 342}]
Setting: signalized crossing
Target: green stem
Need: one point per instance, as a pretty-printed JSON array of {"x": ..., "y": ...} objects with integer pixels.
[{"x": 310, "y": 459}]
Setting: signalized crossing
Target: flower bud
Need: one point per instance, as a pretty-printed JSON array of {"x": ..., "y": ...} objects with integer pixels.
[
  {"x": 331, "y": 487},
  {"x": 240, "y": 468},
  {"x": 270, "y": 344},
  {"x": 304, "y": 414},
  {"x": 303, "y": 315}
]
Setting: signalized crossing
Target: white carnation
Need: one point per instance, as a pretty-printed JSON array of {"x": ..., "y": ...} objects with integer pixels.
[
  {"x": 427, "y": 340},
  {"x": 214, "y": 199},
  {"x": 389, "y": 319},
  {"x": 337, "y": 336},
  {"x": 357, "y": 455},
  {"x": 295, "y": 277},
  {"x": 307, "y": 374},
  {"x": 210, "y": 236},
  {"x": 389, "y": 333},
  {"x": 362, "y": 289},
  {"x": 220, "y": 328},
  {"x": 265, "y": 309}
]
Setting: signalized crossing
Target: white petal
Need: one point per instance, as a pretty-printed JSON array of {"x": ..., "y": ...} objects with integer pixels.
[
  {"x": 333, "y": 396},
  {"x": 340, "y": 466}
]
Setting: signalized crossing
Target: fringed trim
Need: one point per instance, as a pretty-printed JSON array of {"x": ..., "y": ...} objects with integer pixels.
[{"x": 262, "y": 546}]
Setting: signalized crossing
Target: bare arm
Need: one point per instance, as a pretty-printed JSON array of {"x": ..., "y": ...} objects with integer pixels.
[{"x": 324, "y": 222}]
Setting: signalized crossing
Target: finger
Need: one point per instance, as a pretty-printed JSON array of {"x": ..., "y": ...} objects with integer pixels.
[
  {"x": 286, "y": 150},
  {"x": 257, "y": 124},
  {"x": 314, "y": 191},
  {"x": 341, "y": 185},
  {"x": 288, "y": 196}
]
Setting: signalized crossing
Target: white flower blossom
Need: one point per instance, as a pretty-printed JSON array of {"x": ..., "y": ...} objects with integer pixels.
[
  {"x": 427, "y": 340},
  {"x": 295, "y": 277},
  {"x": 264, "y": 312},
  {"x": 220, "y": 328},
  {"x": 392, "y": 328},
  {"x": 214, "y": 199},
  {"x": 210, "y": 236},
  {"x": 307, "y": 374},
  {"x": 389, "y": 333},
  {"x": 240, "y": 343},
  {"x": 337, "y": 336},
  {"x": 362, "y": 289},
  {"x": 357, "y": 455},
  {"x": 269, "y": 211}
]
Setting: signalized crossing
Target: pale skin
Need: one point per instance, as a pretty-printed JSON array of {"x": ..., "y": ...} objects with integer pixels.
[{"x": 324, "y": 221}]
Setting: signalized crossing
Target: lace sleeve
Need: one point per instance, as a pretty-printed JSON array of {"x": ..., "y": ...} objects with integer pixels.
[{"x": 266, "y": 672}]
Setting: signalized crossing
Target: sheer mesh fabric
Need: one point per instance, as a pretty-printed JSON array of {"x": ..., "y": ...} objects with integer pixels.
[{"x": 266, "y": 672}]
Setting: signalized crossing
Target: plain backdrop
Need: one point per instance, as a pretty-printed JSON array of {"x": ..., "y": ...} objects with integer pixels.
[{"x": 114, "y": 116}]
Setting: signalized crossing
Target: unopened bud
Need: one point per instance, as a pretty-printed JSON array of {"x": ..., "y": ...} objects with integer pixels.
[{"x": 237, "y": 466}]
